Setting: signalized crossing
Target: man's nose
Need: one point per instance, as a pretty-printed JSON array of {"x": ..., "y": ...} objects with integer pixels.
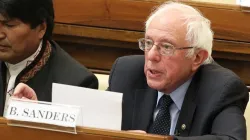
[
  {"x": 153, "y": 54},
  {"x": 2, "y": 33}
]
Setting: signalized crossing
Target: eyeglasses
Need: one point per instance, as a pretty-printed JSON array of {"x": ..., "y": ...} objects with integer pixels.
[{"x": 163, "y": 48}]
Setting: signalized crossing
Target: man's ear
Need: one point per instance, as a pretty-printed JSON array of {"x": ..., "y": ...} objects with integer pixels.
[
  {"x": 199, "y": 57},
  {"x": 42, "y": 29}
]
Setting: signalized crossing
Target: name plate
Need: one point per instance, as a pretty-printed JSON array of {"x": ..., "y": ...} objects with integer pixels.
[
  {"x": 243, "y": 2},
  {"x": 35, "y": 113}
]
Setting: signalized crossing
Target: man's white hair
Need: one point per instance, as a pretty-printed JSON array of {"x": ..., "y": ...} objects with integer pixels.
[{"x": 199, "y": 33}]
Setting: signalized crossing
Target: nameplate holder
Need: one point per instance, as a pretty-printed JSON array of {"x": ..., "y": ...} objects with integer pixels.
[
  {"x": 43, "y": 115},
  {"x": 244, "y": 5}
]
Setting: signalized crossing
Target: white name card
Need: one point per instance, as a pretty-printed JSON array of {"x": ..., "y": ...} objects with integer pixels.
[
  {"x": 42, "y": 112},
  {"x": 243, "y": 2},
  {"x": 102, "y": 109}
]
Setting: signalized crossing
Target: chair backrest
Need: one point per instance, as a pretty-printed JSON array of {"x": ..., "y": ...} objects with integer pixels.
[
  {"x": 247, "y": 117},
  {"x": 103, "y": 81}
]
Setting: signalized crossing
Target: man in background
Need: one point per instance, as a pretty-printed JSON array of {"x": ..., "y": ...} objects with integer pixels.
[
  {"x": 28, "y": 55},
  {"x": 176, "y": 88}
]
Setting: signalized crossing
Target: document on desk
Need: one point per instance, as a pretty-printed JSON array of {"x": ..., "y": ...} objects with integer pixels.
[
  {"x": 243, "y": 3},
  {"x": 100, "y": 109}
]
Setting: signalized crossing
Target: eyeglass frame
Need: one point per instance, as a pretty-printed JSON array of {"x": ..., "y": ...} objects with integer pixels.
[{"x": 170, "y": 51}]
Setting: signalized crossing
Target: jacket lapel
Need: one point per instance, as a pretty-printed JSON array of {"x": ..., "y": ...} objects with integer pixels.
[
  {"x": 44, "y": 76},
  {"x": 145, "y": 102},
  {"x": 188, "y": 108},
  {"x": 37, "y": 75},
  {"x": 2, "y": 87}
]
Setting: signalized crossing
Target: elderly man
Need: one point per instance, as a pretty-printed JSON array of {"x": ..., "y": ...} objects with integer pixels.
[
  {"x": 28, "y": 55},
  {"x": 176, "y": 88}
]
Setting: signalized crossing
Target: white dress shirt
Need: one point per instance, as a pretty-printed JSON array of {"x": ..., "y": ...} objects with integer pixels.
[{"x": 12, "y": 72}]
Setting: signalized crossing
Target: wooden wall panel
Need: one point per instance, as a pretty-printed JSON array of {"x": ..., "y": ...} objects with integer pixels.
[
  {"x": 228, "y": 22},
  {"x": 80, "y": 11},
  {"x": 96, "y": 58},
  {"x": 96, "y": 32}
]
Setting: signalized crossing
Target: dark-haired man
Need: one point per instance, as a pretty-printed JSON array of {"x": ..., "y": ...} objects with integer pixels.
[{"x": 28, "y": 55}]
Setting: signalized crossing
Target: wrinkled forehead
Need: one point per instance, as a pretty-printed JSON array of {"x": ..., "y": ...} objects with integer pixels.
[
  {"x": 168, "y": 25},
  {"x": 3, "y": 19},
  {"x": 168, "y": 19}
]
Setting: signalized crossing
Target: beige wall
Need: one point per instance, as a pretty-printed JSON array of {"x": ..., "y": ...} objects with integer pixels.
[
  {"x": 218, "y": 1},
  {"x": 103, "y": 81}
]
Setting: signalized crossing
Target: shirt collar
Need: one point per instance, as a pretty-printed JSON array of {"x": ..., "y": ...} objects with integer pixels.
[
  {"x": 177, "y": 95},
  {"x": 17, "y": 68}
]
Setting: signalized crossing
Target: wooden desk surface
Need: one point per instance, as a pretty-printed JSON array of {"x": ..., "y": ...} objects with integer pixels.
[{"x": 14, "y": 133}]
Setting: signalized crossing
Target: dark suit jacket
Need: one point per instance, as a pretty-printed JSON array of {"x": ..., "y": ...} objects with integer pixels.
[
  {"x": 60, "y": 68},
  {"x": 213, "y": 106}
]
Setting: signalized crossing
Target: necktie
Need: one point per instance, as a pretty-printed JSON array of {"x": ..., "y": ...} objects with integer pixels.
[{"x": 162, "y": 122}]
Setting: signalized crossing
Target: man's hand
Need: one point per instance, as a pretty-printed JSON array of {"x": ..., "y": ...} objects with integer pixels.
[{"x": 23, "y": 91}]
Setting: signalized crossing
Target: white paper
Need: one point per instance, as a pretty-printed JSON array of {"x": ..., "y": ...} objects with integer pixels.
[
  {"x": 100, "y": 109},
  {"x": 243, "y": 2}
]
